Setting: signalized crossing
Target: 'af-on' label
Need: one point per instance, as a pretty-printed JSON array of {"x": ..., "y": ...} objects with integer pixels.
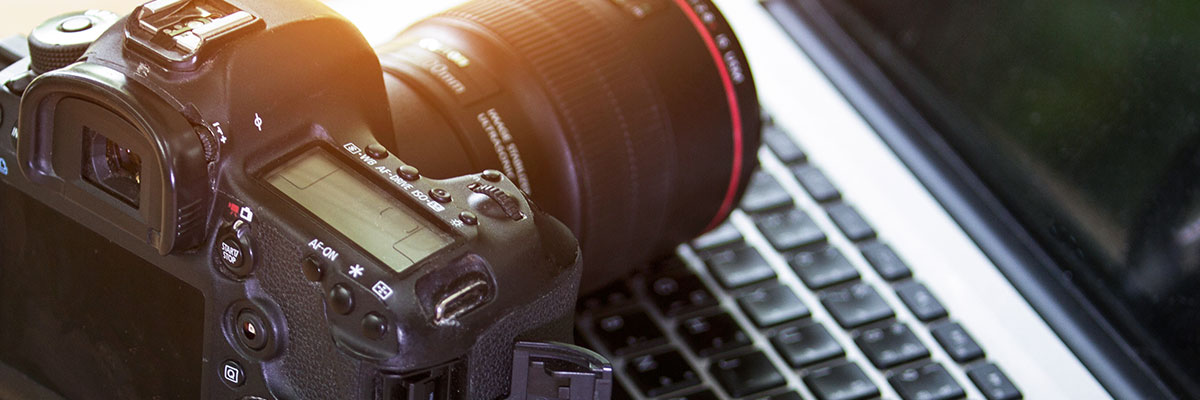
[{"x": 325, "y": 251}]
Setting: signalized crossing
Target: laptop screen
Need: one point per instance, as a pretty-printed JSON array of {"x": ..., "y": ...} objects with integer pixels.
[{"x": 1083, "y": 116}]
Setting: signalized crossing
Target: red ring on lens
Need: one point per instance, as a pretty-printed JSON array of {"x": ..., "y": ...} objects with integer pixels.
[{"x": 735, "y": 113}]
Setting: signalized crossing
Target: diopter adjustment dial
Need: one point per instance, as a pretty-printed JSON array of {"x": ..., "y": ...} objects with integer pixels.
[{"x": 508, "y": 205}]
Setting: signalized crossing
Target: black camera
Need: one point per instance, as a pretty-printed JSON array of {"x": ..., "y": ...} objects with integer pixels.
[{"x": 206, "y": 198}]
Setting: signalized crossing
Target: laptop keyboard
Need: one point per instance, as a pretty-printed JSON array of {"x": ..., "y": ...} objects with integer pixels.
[{"x": 795, "y": 298}]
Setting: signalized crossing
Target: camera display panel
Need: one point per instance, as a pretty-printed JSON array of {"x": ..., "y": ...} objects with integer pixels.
[{"x": 364, "y": 213}]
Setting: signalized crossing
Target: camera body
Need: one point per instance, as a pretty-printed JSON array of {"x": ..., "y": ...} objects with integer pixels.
[{"x": 200, "y": 208}]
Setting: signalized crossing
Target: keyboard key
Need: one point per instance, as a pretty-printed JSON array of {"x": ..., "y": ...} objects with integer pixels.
[
  {"x": 773, "y": 305},
  {"x": 705, "y": 395},
  {"x": 855, "y": 305},
  {"x": 747, "y": 374},
  {"x": 764, "y": 193},
  {"x": 918, "y": 299},
  {"x": 957, "y": 342},
  {"x": 789, "y": 229},
  {"x": 842, "y": 382},
  {"x": 723, "y": 235},
  {"x": 628, "y": 332},
  {"x": 886, "y": 262},
  {"x": 802, "y": 346},
  {"x": 657, "y": 374},
  {"x": 993, "y": 383},
  {"x": 739, "y": 267},
  {"x": 783, "y": 396},
  {"x": 815, "y": 182},
  {"x": 783, "y": 146},
  {"x": 678, "y": 291},
  {"x": 891, "y": 346},
  {"x": 850, "y": 222},
  {"x": 822, "y": 268},
  {"x": 929, "y": 382},
  {"x": 615, "y": 294},
  {"x": 713, "y": 334}
]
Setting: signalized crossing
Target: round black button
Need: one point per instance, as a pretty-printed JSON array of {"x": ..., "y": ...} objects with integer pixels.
[
  {"x": 409, "y": 173},
  {"x": 313, "y": 270},
  {"x": 440, "y": 195},
  {"x": 377, "y": 151},
  {"x": 492, "y": 175},
  {"x": 232, "y": 373},
  {"x": 468, "y": 218},
  {"x": 251, "y": 330},
  {"x": 341, "y": 299},
  {"x": 374, "y": 326},
  {"x": 231, "y": 253}
]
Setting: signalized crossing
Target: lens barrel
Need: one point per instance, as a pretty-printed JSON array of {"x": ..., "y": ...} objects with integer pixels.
[{"x": 635, "y": 122}]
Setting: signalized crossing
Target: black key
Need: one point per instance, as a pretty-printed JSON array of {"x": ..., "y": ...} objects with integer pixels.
[
  {"x": 705, "y": 395},
  {"x": 713, "y": 334},
  {"x": 993, "y": 383},
  {"x": 815, "y": 182},
  {"x": 657, "y": 374},
  {"x": 773, "y": 305},
  {"x": 957, "y": 342},
  {"x": 627, "y": 332},
  {"x": 885, "y": 261},
  {"x": 783, "y": 396},
  {"x": 855, "y": 305},
  {"x": 764, "y": 193},
  {"x": 805, "y": 345},
  {"x": 822, "y": 268},
  {"x": 850, "y": 222},
  {"x": 842, "y": 382},
  {"x": 746, "y": 375},
  {"x": 929, "y": 382},
  {"x": 789, "y": 229},
  {"x": 783, "y": 146},
  {"x": 612, "y": 295},
  {"x": 678, "y": 291},
  {"x": 920, "y": 300},
  {"x": 891, "y": 346},
  {"x": 723, "y": 235},
  {"x": 739, "y": 267}
]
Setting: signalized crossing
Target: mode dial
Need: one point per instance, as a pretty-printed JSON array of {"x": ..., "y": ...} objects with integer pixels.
[{"x": 62, "y": 40}]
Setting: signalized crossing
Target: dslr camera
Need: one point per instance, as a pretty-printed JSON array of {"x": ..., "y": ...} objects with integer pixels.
[{"x": 243, "y": 199}]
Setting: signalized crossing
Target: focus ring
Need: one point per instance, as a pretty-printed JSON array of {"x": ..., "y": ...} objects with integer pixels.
[{"x": 608, "y": 107}]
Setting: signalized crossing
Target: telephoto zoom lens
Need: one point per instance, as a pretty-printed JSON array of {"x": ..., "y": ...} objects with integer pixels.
[{"x": 636, "y": 122}]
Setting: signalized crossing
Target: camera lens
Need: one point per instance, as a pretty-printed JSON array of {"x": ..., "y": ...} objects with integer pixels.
[{"x": 636, "y": 122}]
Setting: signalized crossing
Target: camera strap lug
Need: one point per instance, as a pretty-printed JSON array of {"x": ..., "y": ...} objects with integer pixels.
[{"x": 559, "y": 371}]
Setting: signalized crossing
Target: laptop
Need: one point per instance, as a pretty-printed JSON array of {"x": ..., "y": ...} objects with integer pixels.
[{"x": 956, "y": 200}]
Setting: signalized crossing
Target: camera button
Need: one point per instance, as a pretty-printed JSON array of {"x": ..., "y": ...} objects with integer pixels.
[
  {"x": 440, "y": 195},
  {"x": 76, "y": 24},
  {"x": 409, "y": 173},
  {"x": 492, "y": 175},
  {"x": 313, "y": 270},
  {"x": 232, "y": 373},
  {"x": 469, "y": 218},
  {"x": 377, "y": 151},
  {"x": 232, "y": 254},
  {"x": 374, "y": 326},
  {"x": 341, "y": 299}
]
